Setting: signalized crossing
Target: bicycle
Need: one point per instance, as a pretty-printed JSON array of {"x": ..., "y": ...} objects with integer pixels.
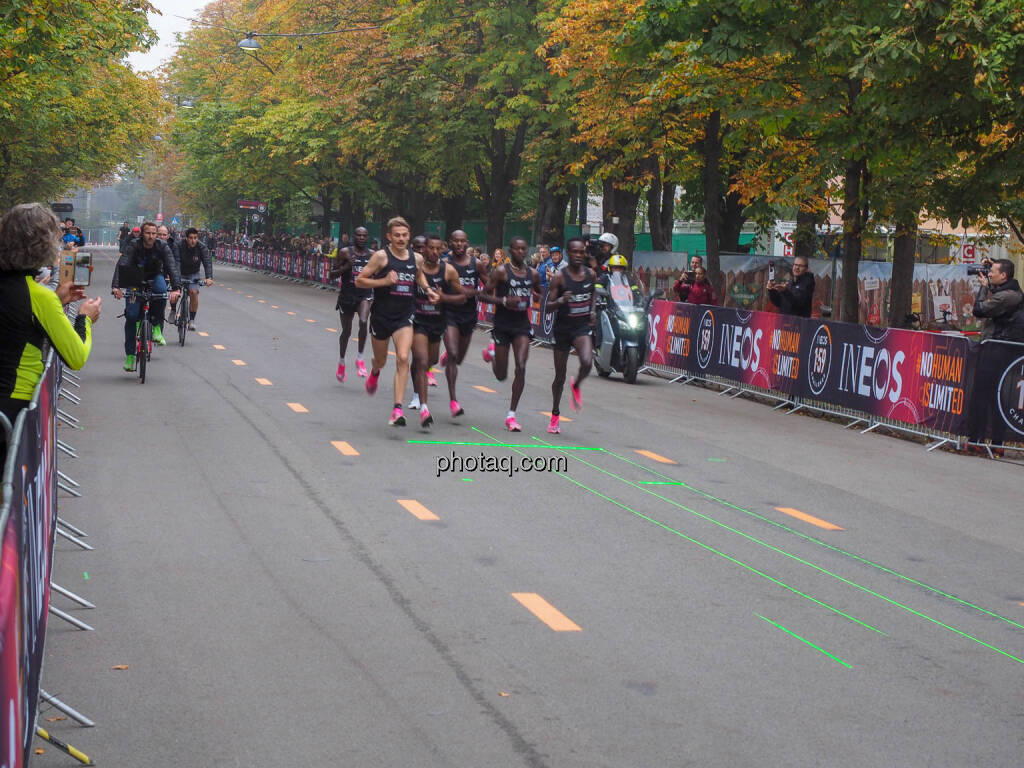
[{"x": 144, "y": 329}]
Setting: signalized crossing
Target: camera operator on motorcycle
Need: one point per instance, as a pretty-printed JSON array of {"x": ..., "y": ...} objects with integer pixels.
[
  {"x": 616, "y": 274},
  {"x": 600, "y": 251}
]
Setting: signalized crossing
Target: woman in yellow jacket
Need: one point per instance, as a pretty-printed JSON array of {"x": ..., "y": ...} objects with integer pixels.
[{"x": 30, "y": 313}]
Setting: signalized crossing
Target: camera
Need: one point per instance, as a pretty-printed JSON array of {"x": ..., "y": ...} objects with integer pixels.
[{"x": 976, "y": 269}]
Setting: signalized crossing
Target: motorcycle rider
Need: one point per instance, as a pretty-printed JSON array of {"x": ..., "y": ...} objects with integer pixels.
[{"x": 617, "y": 272}]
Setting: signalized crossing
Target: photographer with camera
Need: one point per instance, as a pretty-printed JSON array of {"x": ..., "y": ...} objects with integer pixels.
[
  {"x": 999, "y": 301},
  {"x": 1000, "y": 305}
]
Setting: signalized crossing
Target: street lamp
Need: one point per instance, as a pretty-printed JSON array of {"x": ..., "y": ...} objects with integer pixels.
[{"x": 250, "y": 44}]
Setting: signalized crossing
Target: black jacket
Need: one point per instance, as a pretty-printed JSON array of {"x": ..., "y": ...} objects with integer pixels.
[
  {"x": 137, "y": 264},
  {"x": 797, "y": 297},
  {"x": 998, "y": 305},
  {"x": 190, "y": 259}
]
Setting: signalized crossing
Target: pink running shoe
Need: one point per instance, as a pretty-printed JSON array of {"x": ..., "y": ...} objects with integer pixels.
[
  {"x": 444, "y": 359},
  {"x": 489, "y": 353},
  {"x": 512, "y": 425},
  {"x": 397, "y": 418},
  {"x": 456, "y": 409},
  {"x": 576, "y": 399},
  {"x": 340, "y": 375},
  {"x": 361, "y": 369},
  {"x": 425, "y": 418},
  {"x": 553, "y": 427},
  {"x": 371, "y": 382},
  {"x": 431, "y": 381}
]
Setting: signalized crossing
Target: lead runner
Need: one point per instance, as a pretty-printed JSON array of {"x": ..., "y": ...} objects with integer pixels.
[{"x": 392, "y": 273}]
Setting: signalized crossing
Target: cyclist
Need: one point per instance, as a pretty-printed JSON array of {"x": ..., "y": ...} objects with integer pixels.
[
  {"x": 145, "y": 259},
  {"x": 190, "y": 255}
]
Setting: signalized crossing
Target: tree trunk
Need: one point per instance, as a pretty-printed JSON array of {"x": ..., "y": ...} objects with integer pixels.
[
  {"x": 620, "y": 203},
  {"x": 497, "y": 181},
  {"x": 574, "y": 208},
  {"x": 805, "y": 235},
  {"x": 453, "y": 209},
  {"x": 668, "y": 213},
  {"x": 583, "y": 205},
  {"x": 853, "y": 227},
  {"x": 901, "y": 288},
  {"x": 732, "y": 223},
  {"x": 711, "y": 148},
  {"x": 551, "y": 210}
]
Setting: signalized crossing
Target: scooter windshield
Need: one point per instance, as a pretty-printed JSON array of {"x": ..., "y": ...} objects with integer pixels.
[{"x": 620, "y": 291}]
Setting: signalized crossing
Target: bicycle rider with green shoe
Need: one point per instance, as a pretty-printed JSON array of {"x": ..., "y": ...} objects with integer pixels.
[{"x": 146, "y": 259}]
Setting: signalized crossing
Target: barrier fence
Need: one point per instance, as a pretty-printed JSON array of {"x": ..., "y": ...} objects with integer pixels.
[
  {"x": 941, "y": 386},
  {"x": 28, "y": 520}
]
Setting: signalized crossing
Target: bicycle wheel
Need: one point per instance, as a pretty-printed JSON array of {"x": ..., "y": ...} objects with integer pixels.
[
  {"x": 182, "y": 318},
  {"x": 140, "y": 346}
]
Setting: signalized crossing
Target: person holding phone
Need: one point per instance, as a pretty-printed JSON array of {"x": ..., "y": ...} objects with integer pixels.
[
  {"x": 30, "y": 313},
  {"x": 795, "y": 297},
  {"x": 686, "y": 279}
]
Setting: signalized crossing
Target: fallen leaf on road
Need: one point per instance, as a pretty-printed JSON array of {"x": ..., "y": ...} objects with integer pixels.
[
  {"x": 120, "y": 666},
  {"x": 502, "y": 693},
  {"x": 55, "y": 719},
  {"x": 40, "y": 751}
]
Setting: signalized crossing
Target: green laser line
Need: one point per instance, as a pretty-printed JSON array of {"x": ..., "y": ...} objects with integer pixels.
[
  {"x": 805, "y": 640},
  {"x": 660, "y": 482},
  {"x": 711, "y": 549},
  {"x": 495, "y": 445},
  {"x": 825, "y": 544},
  {"x": 800, "y": 560}
]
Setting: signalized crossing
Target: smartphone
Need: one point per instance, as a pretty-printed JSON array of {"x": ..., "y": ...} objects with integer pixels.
[
  {"x": 691, "y": 277},
  {"x": 83, "y": 269},
  {"x": 771, "y": 271}
]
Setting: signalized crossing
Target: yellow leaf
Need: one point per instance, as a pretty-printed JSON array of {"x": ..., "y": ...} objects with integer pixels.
[{"x": 120, "y": 666}]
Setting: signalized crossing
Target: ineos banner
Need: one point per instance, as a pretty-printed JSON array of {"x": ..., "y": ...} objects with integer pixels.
[
  {"x": 759, "y": 349},
  {"x": 913, "y": 377}
]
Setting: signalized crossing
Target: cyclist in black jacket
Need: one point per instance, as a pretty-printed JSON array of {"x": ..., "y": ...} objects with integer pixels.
[
  {"x": 146, "y": 259},
  {"x": 190, "y": 255}
]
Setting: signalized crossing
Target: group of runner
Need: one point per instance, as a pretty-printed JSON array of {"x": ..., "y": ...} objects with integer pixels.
[{"x": 416, "y": 293}]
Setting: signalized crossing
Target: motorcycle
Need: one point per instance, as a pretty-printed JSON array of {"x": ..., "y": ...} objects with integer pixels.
[{"x": 622, "y": 328}]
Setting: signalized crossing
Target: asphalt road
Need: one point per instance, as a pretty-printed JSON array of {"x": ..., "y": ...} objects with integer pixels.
[{"x": 714, "y": 584}]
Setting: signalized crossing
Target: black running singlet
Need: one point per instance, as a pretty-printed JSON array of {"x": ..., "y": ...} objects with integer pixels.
[
  {"x": 396, "y": 303},
  {"x": 348, "y": 278},
  {"x": 424, "y": 307},
  {"x": 468, "y": 277},
  {"x": 521, "y": 289},
  {"x": 580, "y": 292}
]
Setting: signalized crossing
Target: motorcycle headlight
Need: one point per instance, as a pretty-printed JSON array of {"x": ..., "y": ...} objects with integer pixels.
[{"x": 633, "y": 320}]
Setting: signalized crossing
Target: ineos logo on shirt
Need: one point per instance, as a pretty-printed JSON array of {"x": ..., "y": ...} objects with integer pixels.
[
  {"x": 705, "y": 338},
  {"x": 1011, "y": 395},
  {"x": 547, "y": 318},
  {"x": 819, "y": 360}
]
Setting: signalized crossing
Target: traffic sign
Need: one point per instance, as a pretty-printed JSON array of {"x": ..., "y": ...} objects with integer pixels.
[
  {"x": 159, "y": 217},
  {"x": 62, "y": 207},
  {"x": 257, "y": 218}
]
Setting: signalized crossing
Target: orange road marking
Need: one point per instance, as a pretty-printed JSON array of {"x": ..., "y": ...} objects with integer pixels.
[
  {"x": 291, "y": 313},
  {"x": 345, "y": 448},
  {"x": 265, "y": 382},
  {"x": 298, "y": 407},
  {"x": 809, "y": 519},
  {"x": 560, "y": 418},
  {"x": 274, "y": 306},
  {"x": 202, "y": 333},
  {"x": 546, "y": 612},
  {"x": 249, "y": 296},
  {"x": 310, "y": 320},
  {"x": 417, "y": 509},
  {"x": 261, "y": 301},
  {"x": 485, "y": 389},
  {"x": 219, "y": 346},
  {"x": 331, "y": 330},
  {"x": 391, "y": 352},
  {"x": 655, "y": 456},
  {"x": 238, "y": 362}
]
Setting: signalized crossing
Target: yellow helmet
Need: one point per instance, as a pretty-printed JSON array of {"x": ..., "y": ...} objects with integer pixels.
[{"x": 618, "y": 260}]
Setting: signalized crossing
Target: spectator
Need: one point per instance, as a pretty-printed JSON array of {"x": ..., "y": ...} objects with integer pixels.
[
  {"x": 796, "y": 296},
  {"x": 550, "y": 266},
  {"x": 1000, "y": 305},
  {"x": 498, "y": 258},
  {"x": 540, "y": 256},
  {"x": 29, "y": 313},
  {"x": 687, "y": 277},
  {"x": 696, "y": 291},
  {"x": 124, "y": 235}
]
